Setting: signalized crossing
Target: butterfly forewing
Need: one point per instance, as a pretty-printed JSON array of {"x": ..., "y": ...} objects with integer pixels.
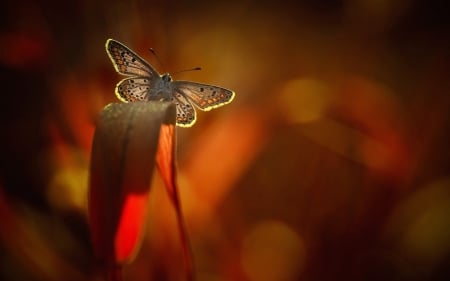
[
  {"x": 133, "y": 89},
  {"x": 205, "y": 97},
  {"x": 127, "y": 62},
  {"x": 147, "y": 85}
]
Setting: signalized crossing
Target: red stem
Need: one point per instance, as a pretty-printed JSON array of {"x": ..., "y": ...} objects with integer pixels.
[{"x": 186, "y": 244}]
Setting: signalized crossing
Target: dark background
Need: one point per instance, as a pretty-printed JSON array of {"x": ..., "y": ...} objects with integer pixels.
[{"x": 332, "y": 162}]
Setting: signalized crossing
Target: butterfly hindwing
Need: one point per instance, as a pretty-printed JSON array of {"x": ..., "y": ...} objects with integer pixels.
[
  {"x": 127, "y": 62},
  {"x": 205, "y": 97},
  {"x": 185, "y": 110},
  {"x": 133, "y": 89},
  {"x": 147, "y": 85}
]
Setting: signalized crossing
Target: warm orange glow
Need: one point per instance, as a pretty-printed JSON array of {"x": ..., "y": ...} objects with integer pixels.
[
  {"x": 225, "y": 149},
  {"x": 335, "y": 147}
]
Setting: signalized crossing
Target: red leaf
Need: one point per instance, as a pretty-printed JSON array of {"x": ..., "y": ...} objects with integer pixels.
[{"x": 165, "y": 161}]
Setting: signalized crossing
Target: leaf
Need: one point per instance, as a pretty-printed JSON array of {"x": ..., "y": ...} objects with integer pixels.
[{"x": 122, "y": 163}]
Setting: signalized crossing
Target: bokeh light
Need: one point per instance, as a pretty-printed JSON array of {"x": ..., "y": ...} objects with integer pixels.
[
  {"x": 305, "y": 100},
  {"x": 272, "y": 251}
]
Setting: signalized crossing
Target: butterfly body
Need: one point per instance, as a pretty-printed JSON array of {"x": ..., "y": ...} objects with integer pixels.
[
  {"x": 146, "y": 84},
  {"x": 162, "y": 90}
]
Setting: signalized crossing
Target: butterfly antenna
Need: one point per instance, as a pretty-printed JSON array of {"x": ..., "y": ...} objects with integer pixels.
[
  {"x": 157, "y": 58},
  {"x": 189, "y": 69}
]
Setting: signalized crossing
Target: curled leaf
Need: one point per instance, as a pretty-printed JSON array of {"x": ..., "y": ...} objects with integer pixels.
[{"x": 122, "y": 163}]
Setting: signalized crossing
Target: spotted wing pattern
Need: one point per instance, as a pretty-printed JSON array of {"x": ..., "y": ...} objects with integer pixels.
[
  {"x": 205, "y": 97},
  {"x": 145, "y": 79},
  {"x": 126, "y": 62},
  {"x": 133, "y": 89},
  {"x": 185, "y": 110}
]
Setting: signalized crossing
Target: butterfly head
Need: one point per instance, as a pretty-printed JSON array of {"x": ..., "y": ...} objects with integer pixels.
[{"x": 166, "y": 77}]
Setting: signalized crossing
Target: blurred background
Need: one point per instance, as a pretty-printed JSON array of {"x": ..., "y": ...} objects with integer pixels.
[{"x": 332, "y": 162}]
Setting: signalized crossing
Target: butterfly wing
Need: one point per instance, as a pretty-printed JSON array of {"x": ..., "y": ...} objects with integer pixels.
[
  {"x": 126, "y": 62},
  {"x": 138, "y": 89},
  {"x": 185, "y": 110},
  {"x": 145, "y": 79},
  {"x": 205, "y": 97},
  {"x": 133, "y": 89}
]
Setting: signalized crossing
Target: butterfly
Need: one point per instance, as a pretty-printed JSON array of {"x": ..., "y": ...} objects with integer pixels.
[{"x": 146, "y": 84}]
